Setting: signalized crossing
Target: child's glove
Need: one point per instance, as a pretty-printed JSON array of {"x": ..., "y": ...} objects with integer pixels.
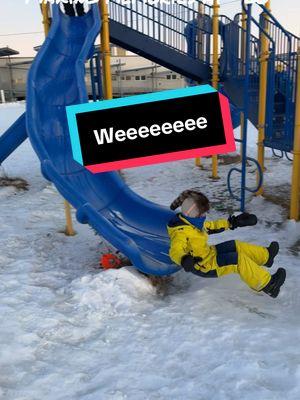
[
  {"x": 188, "y": 262},
  {"x": 244, "y": 219}
]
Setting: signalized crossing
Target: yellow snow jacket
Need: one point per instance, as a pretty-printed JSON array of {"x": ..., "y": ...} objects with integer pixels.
[{"x": 185, "y": 238}]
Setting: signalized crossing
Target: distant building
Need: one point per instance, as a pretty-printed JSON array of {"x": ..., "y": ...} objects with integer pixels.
[
  {"x": 131, "y": 74},
  {"x": 6, "y": 74},
  {"x": 152, "y": 78}
]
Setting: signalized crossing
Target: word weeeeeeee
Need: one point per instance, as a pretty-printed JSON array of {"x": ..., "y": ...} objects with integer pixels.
[{"x": 143, "y": 132}]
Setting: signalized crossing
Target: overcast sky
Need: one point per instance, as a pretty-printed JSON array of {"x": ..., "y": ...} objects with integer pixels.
[{"x": 17, "y": 17}]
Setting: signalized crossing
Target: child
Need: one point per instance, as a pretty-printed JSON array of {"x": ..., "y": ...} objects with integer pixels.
[{"x": 189, "y": 232}]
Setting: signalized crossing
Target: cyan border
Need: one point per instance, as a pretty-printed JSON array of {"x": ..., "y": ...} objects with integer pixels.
[
  {"x": 73, "y": 110},
  {"x": 74, "y": 135}
]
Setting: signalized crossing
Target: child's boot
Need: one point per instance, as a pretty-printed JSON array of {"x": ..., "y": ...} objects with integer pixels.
[
  {"x": 273, "y": 250},
  {"x": 277, "y": 280}
]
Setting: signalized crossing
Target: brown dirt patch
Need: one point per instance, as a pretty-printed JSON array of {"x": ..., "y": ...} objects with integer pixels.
[{"x": 18, "y": 183}]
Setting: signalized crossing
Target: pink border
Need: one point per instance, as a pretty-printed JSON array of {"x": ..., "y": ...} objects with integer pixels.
[
  {"x": 178, "y": 155},
  {"x": 227, "y": 122}
]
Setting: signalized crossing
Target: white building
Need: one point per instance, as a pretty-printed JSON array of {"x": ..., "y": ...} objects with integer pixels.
[{"x": 131, "y": 74}]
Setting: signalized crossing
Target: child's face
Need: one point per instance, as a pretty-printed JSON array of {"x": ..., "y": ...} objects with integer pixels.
[{"x": 192, "y": 209}]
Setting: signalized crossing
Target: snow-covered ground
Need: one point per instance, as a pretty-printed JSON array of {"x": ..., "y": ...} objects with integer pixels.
[{"x": 70, "y": 331}]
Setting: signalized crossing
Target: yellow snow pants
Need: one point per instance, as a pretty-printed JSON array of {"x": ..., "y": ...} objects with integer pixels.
[{"x": 241, "y": 258}]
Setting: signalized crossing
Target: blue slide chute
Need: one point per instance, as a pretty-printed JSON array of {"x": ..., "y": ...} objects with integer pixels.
[{"x": 136, "y": 226}]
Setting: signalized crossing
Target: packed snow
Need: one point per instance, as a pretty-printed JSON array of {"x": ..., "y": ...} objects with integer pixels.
[{"x": 71, "y": 331}]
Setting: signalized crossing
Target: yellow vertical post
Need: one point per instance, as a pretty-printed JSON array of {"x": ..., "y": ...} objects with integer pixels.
[
  {"x": 198, "y": 162},
  {"x": 45, "y": 14},
  {"x": 69, "y": 231},
  {"x": 243, "y": 69},
  {"x": 200, "y": 52},
  {"x": 243, "y": 39},
  {"x": 215, "y": 74},
  {"x": 295, "y": 191},
  {"x": 105, "y": 50},
  {"x": 263, "y": 78}
]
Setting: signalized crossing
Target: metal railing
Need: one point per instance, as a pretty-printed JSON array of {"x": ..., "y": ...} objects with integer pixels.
[
  {"x": 284, "y": 78},
  {"x": 187, "y": 28},
  {"x": 248, "y": 69},
  {"x": 168, "y": 24}
]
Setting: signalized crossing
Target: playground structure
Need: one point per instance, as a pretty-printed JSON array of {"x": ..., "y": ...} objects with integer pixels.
[
  {"x": 265, "y": 66},
  {"x": 178, "y": 37}
]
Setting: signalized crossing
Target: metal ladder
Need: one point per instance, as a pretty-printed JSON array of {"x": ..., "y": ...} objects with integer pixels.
[{"x": 248, "y": 72}]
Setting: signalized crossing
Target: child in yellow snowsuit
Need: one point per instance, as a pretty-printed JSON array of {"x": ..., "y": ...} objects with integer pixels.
[{"x": 189, "y": 246}]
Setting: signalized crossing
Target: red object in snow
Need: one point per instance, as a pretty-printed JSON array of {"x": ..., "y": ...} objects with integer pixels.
[{"x": 109, "y": 261}]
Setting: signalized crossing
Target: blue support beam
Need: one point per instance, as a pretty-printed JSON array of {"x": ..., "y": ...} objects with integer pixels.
[{"x": 13, "y": 138}]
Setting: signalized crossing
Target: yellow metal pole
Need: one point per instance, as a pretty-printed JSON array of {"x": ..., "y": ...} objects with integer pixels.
[
  {"x": 241, "y": 133},
  {"x": 264, "y": 57},
  {"x": 243, "y": 38},
  {"x": 46, "y": 20},
  {"x": 198, "y": 162},
  {"x": 69, "y": 231},
  {"x": 243, "y": 70},
  {"x": 200, "y": 53},
  {"x": 105, "y": 50},
  {"x": 295, "y": 191},
  {"x": 215, "y": 74}
]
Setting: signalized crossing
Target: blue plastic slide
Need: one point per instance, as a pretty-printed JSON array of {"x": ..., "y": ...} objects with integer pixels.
[
  {"x": 13, "y": 138},
  {"x": 137, "y": 227}
]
